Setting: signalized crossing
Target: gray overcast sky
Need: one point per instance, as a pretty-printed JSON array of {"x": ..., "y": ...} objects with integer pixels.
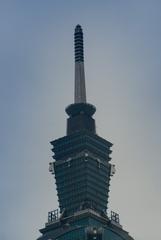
[{"x": 123, "y": 78}]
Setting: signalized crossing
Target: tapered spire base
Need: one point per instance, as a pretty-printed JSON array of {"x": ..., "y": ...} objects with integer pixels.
[
  {"x": 80, "y": 118},
  {"x": 80, "y": 89}
]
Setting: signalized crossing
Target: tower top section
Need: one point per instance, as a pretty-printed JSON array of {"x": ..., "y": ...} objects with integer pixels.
[{"x": 80, "y": 89}]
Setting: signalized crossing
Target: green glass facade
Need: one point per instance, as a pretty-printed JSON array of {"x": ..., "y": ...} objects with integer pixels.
[{"x": 82, "y": 172}]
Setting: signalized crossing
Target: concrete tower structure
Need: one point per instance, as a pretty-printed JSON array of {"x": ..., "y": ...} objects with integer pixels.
[{"x": 82, "y": 172}]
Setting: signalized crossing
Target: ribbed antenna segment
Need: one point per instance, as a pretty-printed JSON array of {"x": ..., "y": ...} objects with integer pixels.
[
  {"x": 80, "y": 90},
  {"x": 78, "y": 40}
]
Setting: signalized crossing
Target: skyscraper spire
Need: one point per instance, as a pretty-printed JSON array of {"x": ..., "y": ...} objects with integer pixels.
[
  {"x": 80, "y": 112},
  {"x": 80, "y": 90}
]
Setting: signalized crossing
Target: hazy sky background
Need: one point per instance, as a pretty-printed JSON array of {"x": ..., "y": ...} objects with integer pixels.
[{"x": 123, "y": 78}]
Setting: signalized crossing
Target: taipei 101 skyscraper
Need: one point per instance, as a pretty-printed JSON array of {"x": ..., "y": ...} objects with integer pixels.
[{"x": 82, "y": 171}]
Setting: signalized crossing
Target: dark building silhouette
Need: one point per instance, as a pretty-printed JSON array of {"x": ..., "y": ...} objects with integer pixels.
[{"x": 82, "y": 171}]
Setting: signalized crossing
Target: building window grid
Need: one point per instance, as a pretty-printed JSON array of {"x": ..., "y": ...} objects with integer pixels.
[
  {"x": 79, "y": 142},
  {"x": 81, "y": 166},
  {"x": 73, "y": 185},
  {"x": 78, "y": 234},
  {"x": 82, "y": 186}
]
